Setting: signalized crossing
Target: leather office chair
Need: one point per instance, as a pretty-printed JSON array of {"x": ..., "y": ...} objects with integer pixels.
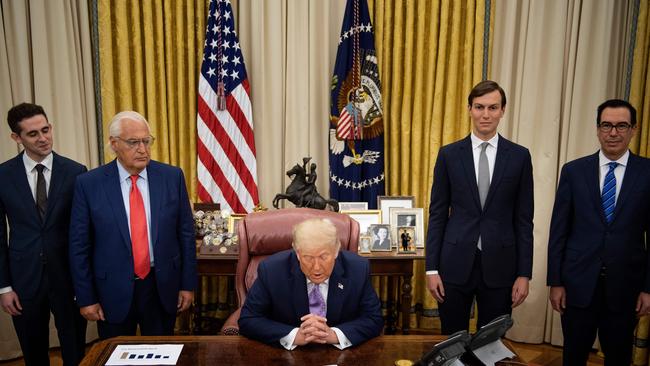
[{"x": 264, "y": 233}]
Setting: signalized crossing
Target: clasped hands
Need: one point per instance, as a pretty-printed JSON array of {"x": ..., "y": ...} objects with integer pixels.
[{"x": 314, "y": 329}]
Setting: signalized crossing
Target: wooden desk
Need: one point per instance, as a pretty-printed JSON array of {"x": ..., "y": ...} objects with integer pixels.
[
  {"x": 236, "y": 350},
  {"x": 381, "y": 264}
]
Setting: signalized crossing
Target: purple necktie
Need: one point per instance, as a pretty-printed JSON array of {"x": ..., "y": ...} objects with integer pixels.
[{"x": 316, "y": 301}]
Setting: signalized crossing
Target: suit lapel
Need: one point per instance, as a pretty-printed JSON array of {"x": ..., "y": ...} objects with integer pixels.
[
  {"x": 22, "y": 187},
  {"x": 338, "y": 285},
  {"x": 592, "y": 178},
  {"x": 629, "y": 179},
  {"x": 155, "y": 199},
  {"x": 500, "y": 164},
  {"x": 467, "y": 160},
  {"x": 298, "y": 284},
  {"x": 114, "y": 195},
  {"x": 56, "y": 180}
]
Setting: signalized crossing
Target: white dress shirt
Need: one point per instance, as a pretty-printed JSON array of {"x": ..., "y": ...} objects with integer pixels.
[
  {"x": 490, "y": 153},
  {"x": 143, "y": 187},
  {"x": 619, "y": 172},
  {"x": 344, "y": 342},
  {"x": 32, "y": 177},
  {"x": 32, "y": 173}
]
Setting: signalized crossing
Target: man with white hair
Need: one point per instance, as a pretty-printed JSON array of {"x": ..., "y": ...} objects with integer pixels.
[
  {"x": 132, "y": 248},
  {"x": 314, "y": 293}
]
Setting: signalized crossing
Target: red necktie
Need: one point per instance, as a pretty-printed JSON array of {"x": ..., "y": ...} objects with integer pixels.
[{"x": 139, "y": 236}]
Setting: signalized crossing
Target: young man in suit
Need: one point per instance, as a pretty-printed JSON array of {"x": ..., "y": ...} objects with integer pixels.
[
  {"x": 314, "y": 293},
  {"x": 480, "y": 236},
  {"x": 132, "y": 247},
  {"x": 35, "y": 198},
  {"x": 598, "y": 260}
]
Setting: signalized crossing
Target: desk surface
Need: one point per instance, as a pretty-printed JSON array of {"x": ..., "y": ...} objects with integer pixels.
[{"x": 235, "y": 350}]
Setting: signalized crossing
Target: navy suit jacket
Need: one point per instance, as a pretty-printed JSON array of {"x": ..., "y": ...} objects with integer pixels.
[
  {"x": 505, "y": 224},
  {"x": 33, "y": 242},
  {"x": 100, "y": 243},
  {"x": 581, "y": 241},
  {"x": 278, "y": 299}
]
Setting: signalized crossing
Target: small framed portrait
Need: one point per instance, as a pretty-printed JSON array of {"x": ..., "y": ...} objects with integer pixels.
[
  {"x": 380, "y": 238},
  {"x": 353, "y": 206},
  {"x": 233, "y": 220},
  {"x": 365, "y": 242},
  {"x": 411, "y": 217},
  {"x": 365, "y": 218},
  {"x": 385, "y": 203},
  {"x": 406, "y": 220},
  {"x": 405, "y": 239}
]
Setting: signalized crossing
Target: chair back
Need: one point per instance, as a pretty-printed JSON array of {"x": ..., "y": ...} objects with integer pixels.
[{"x": 264, "y": 233}]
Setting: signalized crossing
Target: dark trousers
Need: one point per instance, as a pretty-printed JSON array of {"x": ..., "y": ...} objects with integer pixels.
[
  {"x": 615, "y": 329},
  {"x": 491, "y": 302},
  {"x": 33, "y": 326},
  {"x": 146, "y": 311}
]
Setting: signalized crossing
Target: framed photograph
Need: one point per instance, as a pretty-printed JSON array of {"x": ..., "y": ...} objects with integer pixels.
[
  {"x": 353, "y": 206},
  {"x": 411, "y": 217},
  {"x": 405, "y": 239},
  {"x": 365, "y": 241},
  {"x": 232, "y": 220},
  {"x": 384, "y": 204},
  {"x": 365, "y": 218},
  {"x": 380, "y": 238}
]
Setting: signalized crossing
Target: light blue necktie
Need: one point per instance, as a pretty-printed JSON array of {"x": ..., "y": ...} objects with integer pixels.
[{"x": 609, "y": 193}]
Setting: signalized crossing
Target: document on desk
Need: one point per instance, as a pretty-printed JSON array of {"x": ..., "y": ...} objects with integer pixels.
[
  {"x": 493, "y": 352},
  {"x": 145, "y": 354}
]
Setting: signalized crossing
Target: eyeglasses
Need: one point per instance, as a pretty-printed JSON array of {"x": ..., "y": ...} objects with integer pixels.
[
  {"x": 133, "y": 143},
  {"x": 620, "y": 127}
]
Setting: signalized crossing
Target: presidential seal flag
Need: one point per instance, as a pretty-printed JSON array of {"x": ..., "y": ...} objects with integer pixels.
[
  {"x": 226, "y": 164},
  {"x": 356, "y": 138}
]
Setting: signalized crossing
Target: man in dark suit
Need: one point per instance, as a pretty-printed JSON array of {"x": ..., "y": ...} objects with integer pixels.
[
  {"x": 35, "y": 198},
  {"x": 598, "y": 260},
  {"x": 132, "y": 247},
  {"x": 312, "y": 294},
  {"x": 480, "y": 237}
]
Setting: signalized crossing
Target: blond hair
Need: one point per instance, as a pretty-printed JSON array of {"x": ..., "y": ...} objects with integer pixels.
[{"x": 315, "y": 231}]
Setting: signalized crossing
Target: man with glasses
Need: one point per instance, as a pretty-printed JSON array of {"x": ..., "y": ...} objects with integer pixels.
[
  {"x": 132, "y": 248},
  {"x": 314, "y": 293},
  {"x": 598, "y": 263}
]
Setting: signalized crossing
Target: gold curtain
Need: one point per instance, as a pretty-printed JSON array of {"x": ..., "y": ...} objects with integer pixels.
[
  {"x": 149, "y": 56},
  {"x": 640, "y": 81},
  {"x": 430, "y": 56},
  {"x": 640, "y": 99}
]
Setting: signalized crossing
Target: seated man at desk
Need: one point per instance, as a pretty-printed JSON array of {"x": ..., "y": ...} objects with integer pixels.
[{"x": 315, "y": 293}]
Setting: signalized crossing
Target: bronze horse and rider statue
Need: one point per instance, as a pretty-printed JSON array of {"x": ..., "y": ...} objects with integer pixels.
[{"x": 302, "y": 189}]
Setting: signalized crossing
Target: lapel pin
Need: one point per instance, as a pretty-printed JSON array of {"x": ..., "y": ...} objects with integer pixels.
[{"x": 340, "y": 285}]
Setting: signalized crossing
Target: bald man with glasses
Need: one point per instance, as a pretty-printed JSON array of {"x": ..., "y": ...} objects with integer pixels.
[{"x": 132, "y": 248}]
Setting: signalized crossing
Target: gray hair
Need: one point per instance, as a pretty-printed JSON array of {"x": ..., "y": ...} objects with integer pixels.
[
  {"x": 321, "y": 231},
  {"x": 115, "y": 127}
]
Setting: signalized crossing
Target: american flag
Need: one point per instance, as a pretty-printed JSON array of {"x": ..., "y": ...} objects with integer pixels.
[{"x": 226, "y": 164}]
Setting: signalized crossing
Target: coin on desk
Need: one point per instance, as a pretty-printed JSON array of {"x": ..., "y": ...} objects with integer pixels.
[{"x": 403, "y": 363}]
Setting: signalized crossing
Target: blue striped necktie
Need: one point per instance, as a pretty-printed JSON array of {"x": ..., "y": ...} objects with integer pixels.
[{"x": 609, "y": 192}]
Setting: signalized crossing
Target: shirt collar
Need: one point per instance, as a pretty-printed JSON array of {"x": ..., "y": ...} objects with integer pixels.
[
  {"x": 326, "y": 282},
  {"x": 124, "y": 175},
  {"x": 30, "y": 164},
  {"x": 476, "y": 142},
  {"x": 603, "y": 160}
]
